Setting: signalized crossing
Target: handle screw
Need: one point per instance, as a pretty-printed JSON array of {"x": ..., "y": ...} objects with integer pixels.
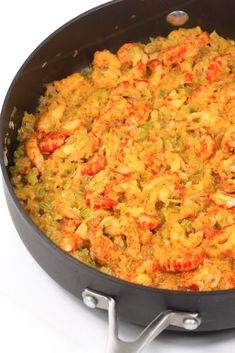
[
  {"x": 190, "y": 323},
  {"x": 90, "y": 301},
  {"x": 177, "y": 18}
]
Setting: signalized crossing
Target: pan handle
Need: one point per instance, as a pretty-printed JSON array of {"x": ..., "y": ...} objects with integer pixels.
[{"x": 188, "y": 321}]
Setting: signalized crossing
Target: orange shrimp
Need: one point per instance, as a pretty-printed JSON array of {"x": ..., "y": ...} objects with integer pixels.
[
  {"x": 106, "y": 59},
  {"x": 131, "y": 232},
  {"x": 150, "y": 221},
  {"x": 158, "y": 72},
  {"x": 131, "y": 54},
  {"x": 179, "y": 261},
  {"x": 214, "y": 69},
  {"x": 123, "y": 170},
  {"x": 137, "y": 114},
  {"x": 143, "y": 272},
  {"x": 106, "y": 70},
  {"x": 147, "y": 220},
  {"x": 102, "y": 250},
  {"x": 133, "y": 60},
  {"x": 208, "y": 146},
  {"x": 180, "y": 238},
  {"x": 48, "y": 121},
  {"x": 221, "y": 243},
  {"x": 138, "y": 71},
  {"x": 209, "y": 276},
  {"x": 99, "y": 201},
  {"x": 114, "y": 189},
  {"x": 67, "y": 128},
  {"x": 122, "y": 188},
  {"x": 202, "y": 142},
  {"x": 137, "y": 89},
  {"x": 71, "y": 239},
  {"x": 71, "y": 242},
  {"x": 34, "y": 154},
  {"x": 152, "y": 64},
  {"x": 51, "y": 142},
  {"x": 172, "y": 55},
  {"x": 188, "y": 49},
  {"x": 227, "y": 279},
  {"x": 163, "y": 161},
  {"x": 73, "y": 84},
  {"x": 95, "y": 167}
]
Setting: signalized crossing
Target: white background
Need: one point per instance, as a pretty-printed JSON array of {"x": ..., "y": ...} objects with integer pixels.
[{"x": 36, "y": 315}]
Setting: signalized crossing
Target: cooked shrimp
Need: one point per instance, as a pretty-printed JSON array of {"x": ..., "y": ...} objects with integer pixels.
[
  {"x": 158, "y": 71},
  {"x": 69, "y": 127},
  {"x": 215, "y": 68},
  {"x": 73, "y": 86},
  {"x": 137, "y": 114},
  {"x": 202, "y": 143},
  {"x": 144, "y": 272},
  {"x": 120, "y": 189},
  {"x": 179, "y": 237},
  {"x": 34, "y": 154},
  {"x": 144, "y": 219},
  {"x": 106, "y": 70},
  {"x": 133, "y": 60},
  {"x": 51, "y": 142},
  {"x": 189, "y": 49},
  {"x": 163, "y": 161},
  {"x": 221, "y": 243},
  {"x": 105, "y": 59},
  {"x": 208, "y": 146},
  {"x": 150, "y": 221},
  {"x": 136, "y": 89},
  {"x": 50, "y": 120},
  {"x": 123, "y": 170},
  {"x": 71, "y": 239},
  {"x": 178, "y": 261},
  {"x": 82, "y": 231},
  {"x": 111, "y": 226},
  {"x": 130, "y": 231},
  {"x": 94, "y": 167},
  {"x": 210, "y": 276},
  {"x": 79, "y": 147},
  {"x": 131, "y": 54},
  {"x": 98, "y": 201},
  {"x": 102, "y": 250}
]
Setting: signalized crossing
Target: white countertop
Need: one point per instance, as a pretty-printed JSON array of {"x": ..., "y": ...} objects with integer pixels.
[{"x": 36, "y": 314}]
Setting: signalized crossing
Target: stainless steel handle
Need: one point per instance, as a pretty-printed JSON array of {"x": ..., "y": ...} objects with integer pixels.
[{"x": 188, "y": 321}]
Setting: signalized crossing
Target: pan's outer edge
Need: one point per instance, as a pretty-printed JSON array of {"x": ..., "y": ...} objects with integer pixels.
[{"x": 165, "y": 297}]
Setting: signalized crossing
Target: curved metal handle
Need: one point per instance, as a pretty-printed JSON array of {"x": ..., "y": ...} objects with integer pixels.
[{"x": 188, "y": 321}]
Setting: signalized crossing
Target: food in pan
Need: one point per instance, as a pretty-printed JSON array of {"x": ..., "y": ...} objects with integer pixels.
[{"x": 129, "y": 166}]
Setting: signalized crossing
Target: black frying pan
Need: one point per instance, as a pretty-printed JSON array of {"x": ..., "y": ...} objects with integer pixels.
[{"x": 109, "y": 26}]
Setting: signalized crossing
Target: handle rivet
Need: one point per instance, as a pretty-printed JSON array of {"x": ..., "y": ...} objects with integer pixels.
[
  {"x": 190, "y": 324},
  {"x": 177, "y": 18},
  {"x": 90, "y": 301}
]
